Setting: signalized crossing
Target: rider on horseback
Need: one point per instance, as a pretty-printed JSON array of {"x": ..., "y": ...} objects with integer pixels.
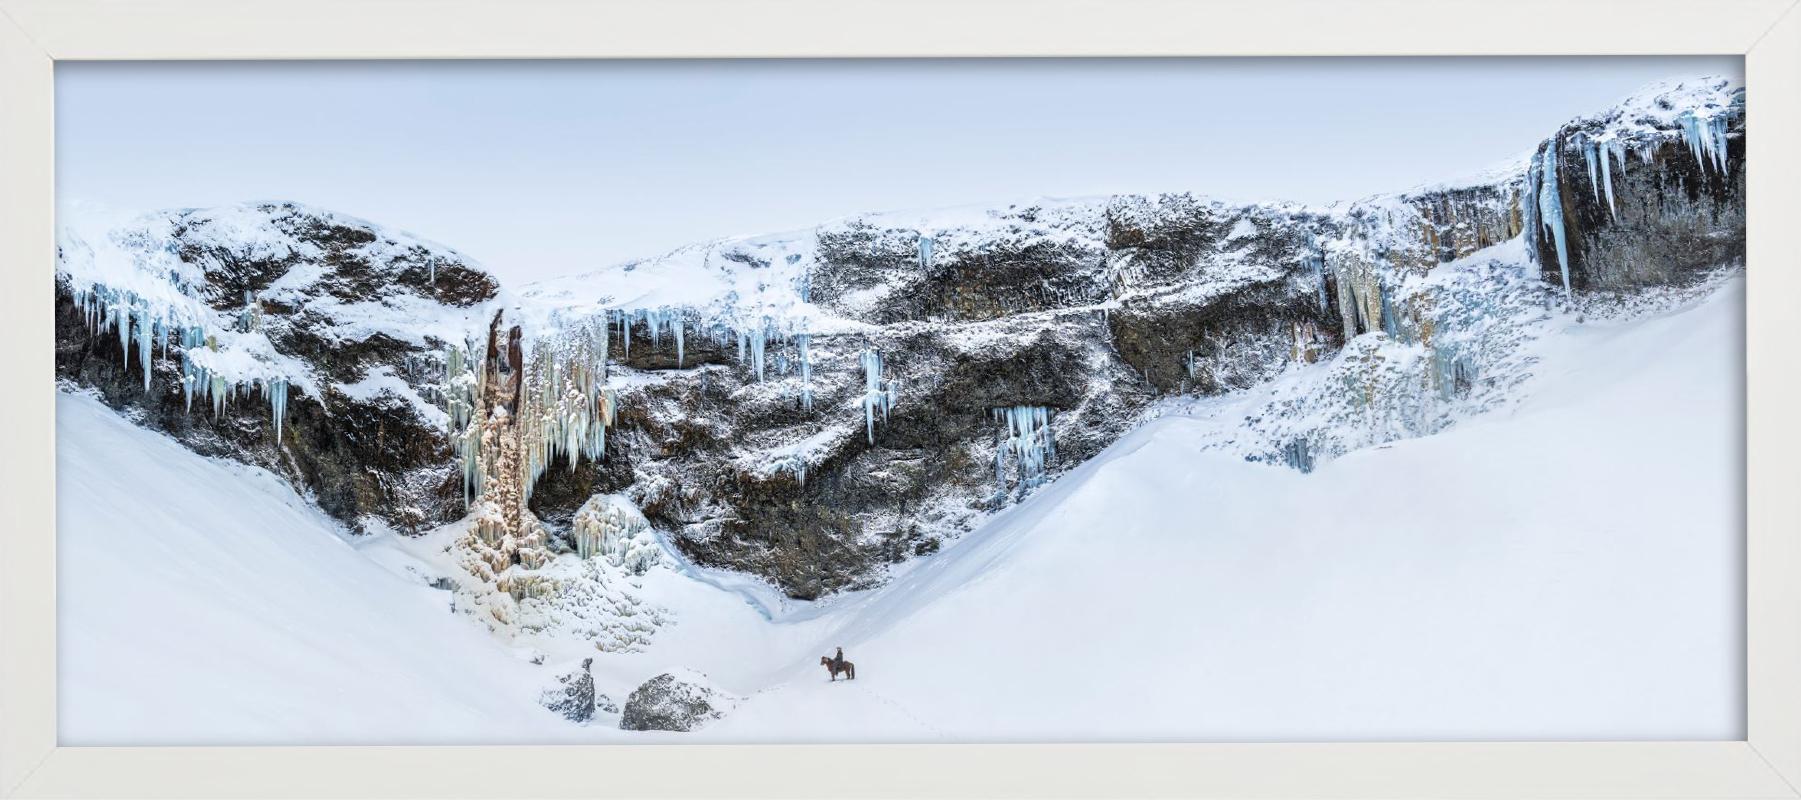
[{"x": 835, "y": 664}]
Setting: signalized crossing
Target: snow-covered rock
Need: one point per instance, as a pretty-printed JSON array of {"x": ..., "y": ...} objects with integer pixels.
[
  {"x": 573, "y": 695},
  {"x": 669, "y": 702},
  {"x": 230, "y": 316}
]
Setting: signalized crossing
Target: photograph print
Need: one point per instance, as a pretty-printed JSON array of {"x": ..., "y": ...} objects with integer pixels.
[{"x": 816, "y": 401}]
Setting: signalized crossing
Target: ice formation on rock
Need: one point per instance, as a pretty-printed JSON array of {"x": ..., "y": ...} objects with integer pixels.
[
  {"x": 1314, "y": 258},
  {"x": 609, "y": 526},
  {"x": 1026, "y": 441},
  {"x": 803, "y": 343},
  {"x": 207, "y": 371},
  {"x": 1705, "y": 134},
  {"x": 879, "y": 395},
  {"x": 793, "y": 464},
  {"x": 1298, "y": 455},
  {"x": 527, "y": 405}
]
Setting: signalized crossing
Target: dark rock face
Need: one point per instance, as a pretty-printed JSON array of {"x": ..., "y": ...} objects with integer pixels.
[
  {"x": 667, "y": 703},
  {"x": 573, "y": 697}
]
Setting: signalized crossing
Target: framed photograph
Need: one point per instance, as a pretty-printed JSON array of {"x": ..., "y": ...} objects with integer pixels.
[{"x": 822, "y": 399}]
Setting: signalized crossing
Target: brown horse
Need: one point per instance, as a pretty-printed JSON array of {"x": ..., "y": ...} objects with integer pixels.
[{"x": 835, "y": 667}]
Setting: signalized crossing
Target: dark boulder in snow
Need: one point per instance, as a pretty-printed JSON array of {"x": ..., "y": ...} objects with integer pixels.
[
  {"x": 573, "y": 696},
  {"x": 669, "y": 703}
]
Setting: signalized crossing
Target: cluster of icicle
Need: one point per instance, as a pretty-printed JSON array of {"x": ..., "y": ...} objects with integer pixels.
[
  {"x": 466, "y": 376},
  {"x": 1026, "y": 439},
  {"x": 792, "y": 463},
  {"x": 1602, "y": 153},
  {"x": 565, "y": 407},
  {"x": 565, "y": 404},
  {"x": 1363, "y": 299},
  {"x": 606, "y": 526},
  {"x": 655, "y": 320},
  {"x": 143, "y": 328},
  {"x": 1314, "y": 259},
  {"x": 753, "y": 340},
  {"x": 1706, "y": 138},
  {"x": 879, "y": 395}
]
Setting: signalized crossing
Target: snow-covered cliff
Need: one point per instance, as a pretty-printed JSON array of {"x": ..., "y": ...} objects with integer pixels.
[{"x": 814, "y": 406}]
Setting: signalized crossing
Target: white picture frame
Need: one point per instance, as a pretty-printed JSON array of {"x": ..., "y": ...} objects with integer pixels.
[{"x": 35, "y": 34}]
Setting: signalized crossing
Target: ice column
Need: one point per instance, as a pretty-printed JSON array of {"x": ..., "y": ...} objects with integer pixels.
[{"x": 1550, "y": 209}]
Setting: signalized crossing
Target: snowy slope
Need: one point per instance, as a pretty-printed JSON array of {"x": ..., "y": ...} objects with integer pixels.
[
  {"x": 230, "y": 610},
  {"x": 1569, "y": 568},
  {"x": 1569, "y": 571},
  {"x": 204, "y": 602}
]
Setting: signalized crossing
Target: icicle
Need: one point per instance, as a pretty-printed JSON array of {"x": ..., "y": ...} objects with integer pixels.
[
  {"x": 1588, "y": 155},
  {"x": 1550, "y": 210},
  {"x": 1391, "y": 322},
  {"x": 278, "y": 403},
  {"x": 122, "y": 318},
  {"x": 1608, "y": 151},
  {"x": 144, "y": 342},
  {"x": 925, "y": 252},
  {"x": 218, "y": 390},
  {"x": 759, "y": 343},
  {"x": 802, "y": 342}
]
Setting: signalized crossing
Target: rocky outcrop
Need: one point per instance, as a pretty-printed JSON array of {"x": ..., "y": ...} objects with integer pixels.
[
  {"x": 1639, "y": 206},
  {"x": 359, "y": 315},
  {"x": 669, "y": 703}
]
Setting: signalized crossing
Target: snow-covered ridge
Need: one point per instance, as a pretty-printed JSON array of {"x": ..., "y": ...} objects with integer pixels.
[
  {"x": 751, "y": 288},
  {"x": 207, "y": 285}
]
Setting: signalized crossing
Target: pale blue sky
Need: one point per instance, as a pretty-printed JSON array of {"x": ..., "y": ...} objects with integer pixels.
[{"x": 543, "y": 168}]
